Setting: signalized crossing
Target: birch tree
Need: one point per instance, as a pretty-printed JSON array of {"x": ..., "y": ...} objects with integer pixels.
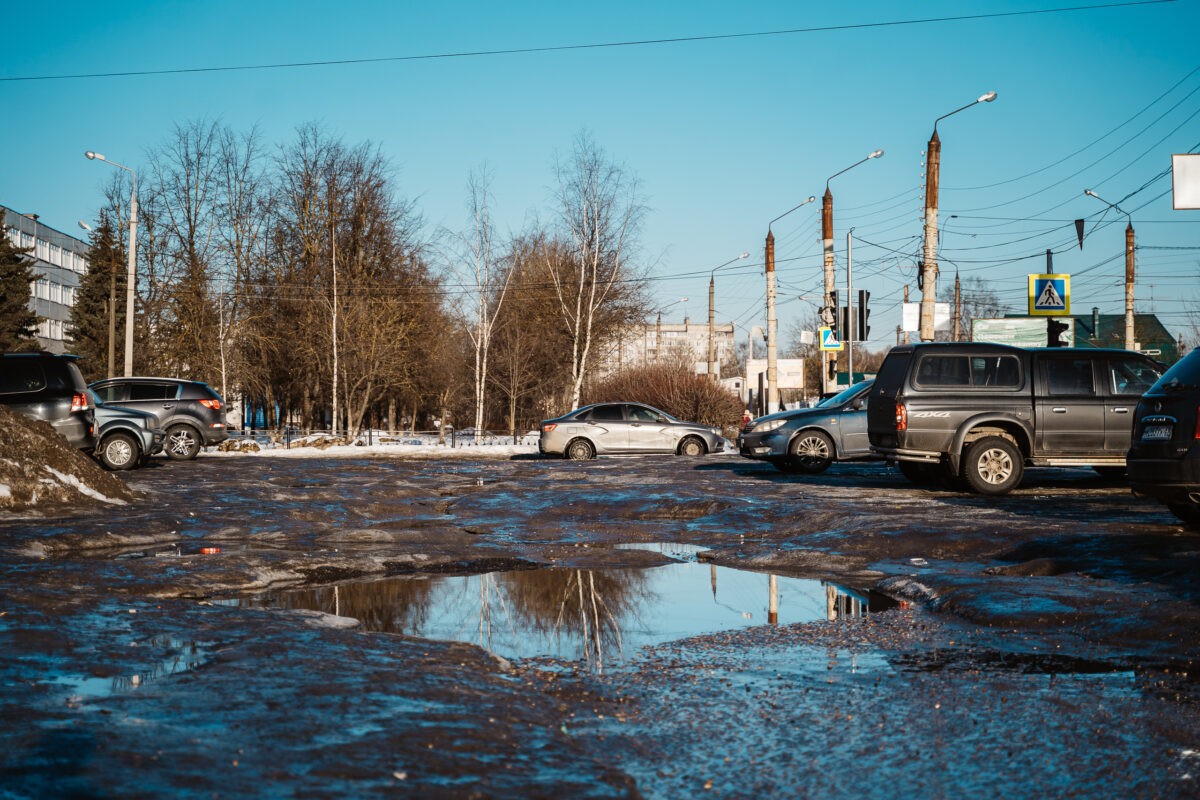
[
  {"x": 489, "y": 288},
  {"x": 600, "y": 213}
]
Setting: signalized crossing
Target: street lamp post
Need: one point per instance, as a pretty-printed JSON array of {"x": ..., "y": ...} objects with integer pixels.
[
  {"x": 828, "y": 312},
  {"x": 131, "y": 271},
  {"x": 1130, "y": 243},
  {"x": 712, "y": 350},
  {"x": 929, "y": 269},
  {"x": 772, "y": 361},
  {"x": 658, "y": 328}
]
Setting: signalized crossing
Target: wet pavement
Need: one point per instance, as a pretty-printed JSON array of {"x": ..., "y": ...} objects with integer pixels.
[{"x": 626, "y": 627}]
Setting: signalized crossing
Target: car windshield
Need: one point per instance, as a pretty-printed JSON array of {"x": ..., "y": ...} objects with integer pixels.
[{"x": 844, "y": 395}]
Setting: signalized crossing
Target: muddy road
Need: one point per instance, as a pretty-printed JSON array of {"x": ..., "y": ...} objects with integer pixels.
[{"x": 335, "y": 627}]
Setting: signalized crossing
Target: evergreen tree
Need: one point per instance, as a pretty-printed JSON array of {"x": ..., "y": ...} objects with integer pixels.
[
  {"x": 18, "y": 325},
  {"x": 88, "y": 327}
]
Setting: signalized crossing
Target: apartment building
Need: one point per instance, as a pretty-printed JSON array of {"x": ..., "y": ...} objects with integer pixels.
[{"x": 60, "y": 261}]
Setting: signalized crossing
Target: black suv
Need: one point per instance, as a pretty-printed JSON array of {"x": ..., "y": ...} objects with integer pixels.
[
  {"x": 981, "y": 413},
  {"x": 50, "y": 387},
  {"x": 1164, "y": 459},
  {"x": 191, "y": 412}
]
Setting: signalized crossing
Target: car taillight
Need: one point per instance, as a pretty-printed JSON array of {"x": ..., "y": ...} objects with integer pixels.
[
  {"x": 549, "y": 427},
  {"x": 901, "y": 417},
  {"x": 79, "y": 402},
  {"x": 214, "y": 404}
]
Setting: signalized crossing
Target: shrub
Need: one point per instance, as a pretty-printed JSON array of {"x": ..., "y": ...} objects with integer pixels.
[{"x": 674, "y": 389}]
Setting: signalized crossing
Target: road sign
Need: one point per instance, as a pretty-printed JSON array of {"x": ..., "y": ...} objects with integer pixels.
[
  {"x": 1049, "y": 295},
  {"x": 829, "y": 339}
]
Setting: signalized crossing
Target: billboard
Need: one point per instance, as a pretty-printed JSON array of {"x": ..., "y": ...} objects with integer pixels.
[{"x": 1019, "y": 331}]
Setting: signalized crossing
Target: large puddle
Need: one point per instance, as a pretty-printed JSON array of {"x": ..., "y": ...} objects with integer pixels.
[{"x": 597, "y": 616}]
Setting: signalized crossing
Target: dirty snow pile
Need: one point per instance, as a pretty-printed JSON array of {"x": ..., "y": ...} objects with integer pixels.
[{"x": 38, "y": 467}]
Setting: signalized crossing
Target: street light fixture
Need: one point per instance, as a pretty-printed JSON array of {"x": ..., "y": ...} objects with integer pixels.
[
  {"x": 658, "y": 328},
  {"x": 712, "y": 352},
  {"x": 131, "y": 271},
  {"x": 772, "y": 362},
  {"x": 1130, "y": 246},
  {"x": 929, "y": 267},
  {"x": 828, "y": 312}
]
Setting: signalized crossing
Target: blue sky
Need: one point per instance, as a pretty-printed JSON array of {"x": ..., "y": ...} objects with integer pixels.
[{"x": 725, "y": 134}]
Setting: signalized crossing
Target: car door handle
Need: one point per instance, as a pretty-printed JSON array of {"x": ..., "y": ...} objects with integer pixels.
[
  {"x": 168, "y": 405},
  {"x": 1059, "y": 410},
  {"x": 1121, "y": 410}
]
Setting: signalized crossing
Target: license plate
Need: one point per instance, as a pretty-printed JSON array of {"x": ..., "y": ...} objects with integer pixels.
[{"x": 1156, "y": 433}]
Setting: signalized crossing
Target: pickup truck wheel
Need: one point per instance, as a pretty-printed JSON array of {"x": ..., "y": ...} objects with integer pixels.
[
  {"x": 119, "y": 451},
  {"x": 811, "y": 452},
  {"x": 993, "y": 465}
]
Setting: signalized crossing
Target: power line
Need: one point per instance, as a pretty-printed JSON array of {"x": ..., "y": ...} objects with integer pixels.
[{"x": 590, "y": 46}]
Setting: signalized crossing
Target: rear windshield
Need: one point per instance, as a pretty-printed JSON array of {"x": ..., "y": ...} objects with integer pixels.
[
  {"x": 18, "y": 376},
  {"x": 891, "y": 372},
  {"x": 967, "y": 371},
  {"x": 1184, "y": 374}
]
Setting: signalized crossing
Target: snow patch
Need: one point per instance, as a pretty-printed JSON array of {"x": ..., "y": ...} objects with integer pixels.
[{"x": 82, "y": 488}]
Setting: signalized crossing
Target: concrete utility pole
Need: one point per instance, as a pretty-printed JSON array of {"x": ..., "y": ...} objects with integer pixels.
[
  {"x": 957, "y": 307},
  {"x": 131, "y": 271},
  {"x": 1130, "y": 248},
  {"x": 929, "y": 270},
  {"x": 712, "y": 349},
  {"x": 828, "y": 312},
  {"x": 772, "y": 362}
]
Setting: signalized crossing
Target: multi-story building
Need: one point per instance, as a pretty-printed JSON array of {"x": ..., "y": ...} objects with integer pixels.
[
  {"x": 654, "y": 342},
  {"x": 59, "y": 263}
]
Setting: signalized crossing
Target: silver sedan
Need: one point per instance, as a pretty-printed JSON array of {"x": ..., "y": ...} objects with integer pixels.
[{"x": 613, "y": 428}]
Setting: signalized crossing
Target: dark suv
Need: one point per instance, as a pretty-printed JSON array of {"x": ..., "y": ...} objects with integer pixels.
[
  {"x": 50, "y": 387},
  {"x": 1164, "y": 459},
  {"x": 980, "y": 413},
  {"x": 192, "y": 414}
]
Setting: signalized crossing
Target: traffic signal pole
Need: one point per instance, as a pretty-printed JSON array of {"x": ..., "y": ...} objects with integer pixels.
[{"x": 850, "y": 323}]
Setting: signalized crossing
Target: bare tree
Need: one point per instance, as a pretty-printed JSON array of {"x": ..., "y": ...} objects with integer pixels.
[
  {"x": 487, "y": 286},
  {"x": 600, "y": 212},
  {"x": 181, "y": 208}
]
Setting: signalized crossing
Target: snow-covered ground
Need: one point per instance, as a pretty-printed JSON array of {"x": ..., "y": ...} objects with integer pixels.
[{"x": 403, "y": 446}]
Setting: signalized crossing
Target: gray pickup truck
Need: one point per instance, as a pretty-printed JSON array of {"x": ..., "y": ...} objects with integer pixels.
[{"x": 980, "y": 413}]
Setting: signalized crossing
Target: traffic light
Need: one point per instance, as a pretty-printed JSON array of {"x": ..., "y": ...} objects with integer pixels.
[
  {"x": 847, "y": 329},
  {"x": 864, "y": 330},
  {"x": 834, "y": 316},
  {"x": 1054, "y": 332}
]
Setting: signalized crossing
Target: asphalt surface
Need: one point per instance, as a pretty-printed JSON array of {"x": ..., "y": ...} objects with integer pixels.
[{"x": 1045, "y": 643}]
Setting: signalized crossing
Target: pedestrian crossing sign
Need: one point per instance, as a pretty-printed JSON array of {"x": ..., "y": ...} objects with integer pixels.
[
  {"x": 1049, "y": 295},
  {"x": 829, "y": 339}
]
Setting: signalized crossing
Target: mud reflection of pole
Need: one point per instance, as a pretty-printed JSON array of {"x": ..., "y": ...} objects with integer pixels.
[
  {"x": 831, "y": 596},
  {"x": 772, "y": 600},
  {"x": 713, "y": 572}
]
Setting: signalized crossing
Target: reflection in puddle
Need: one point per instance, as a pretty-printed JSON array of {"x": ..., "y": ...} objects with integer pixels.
[
  {"x": 596, "y": 616},
  {"x": 180, "y": 657}
]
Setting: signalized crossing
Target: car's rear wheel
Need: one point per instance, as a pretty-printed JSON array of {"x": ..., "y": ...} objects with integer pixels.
[
  {"x": 183, "y": 443},
  {"x": 119, "y": 451},
  {"x": 580, "y": 450},
  {"x": 1188, "y": 512},
  {"x": 811, "y": 452},
  {"x": 692, "y": 446},
  {"x": 993, "y": 465}
]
